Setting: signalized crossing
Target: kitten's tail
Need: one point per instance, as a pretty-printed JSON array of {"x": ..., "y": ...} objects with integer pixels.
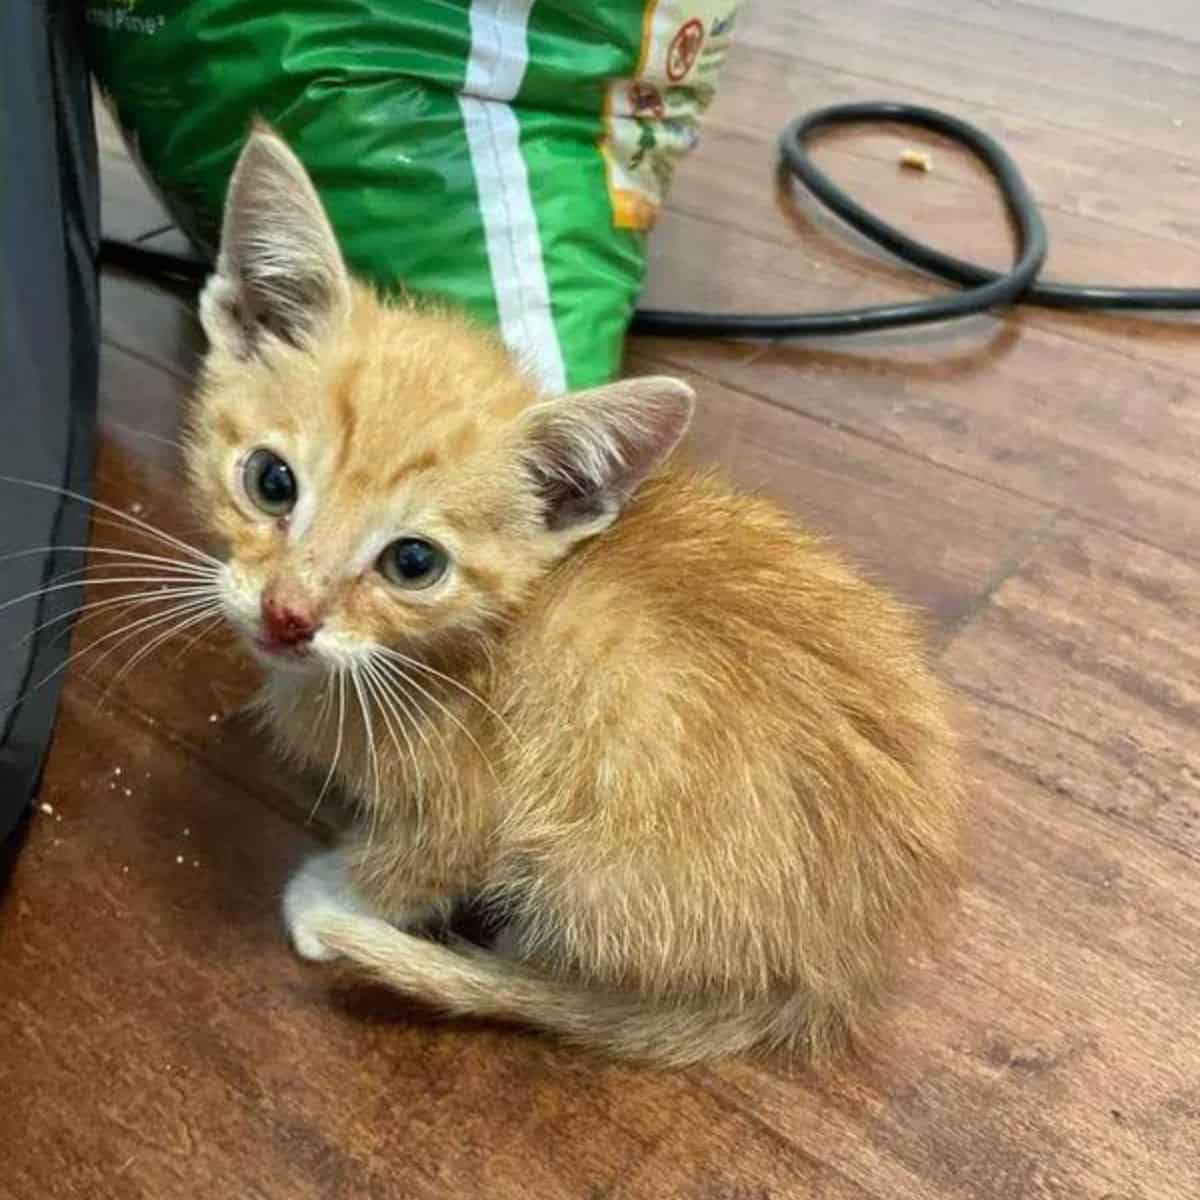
[{"x": 476, "y": 983}]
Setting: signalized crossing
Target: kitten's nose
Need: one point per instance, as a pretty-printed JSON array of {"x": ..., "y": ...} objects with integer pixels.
[{"x": 287, "y": 624}]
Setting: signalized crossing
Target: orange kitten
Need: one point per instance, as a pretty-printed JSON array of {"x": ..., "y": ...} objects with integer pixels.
[{"x": 697, "y": 764}]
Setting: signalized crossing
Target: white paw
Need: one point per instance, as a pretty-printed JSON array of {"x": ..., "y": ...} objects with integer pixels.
[{"x": 320, "y": 889}]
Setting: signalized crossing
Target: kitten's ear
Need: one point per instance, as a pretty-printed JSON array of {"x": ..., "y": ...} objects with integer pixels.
[
  {"x": 587, "y": 453},
  {"x": 279, "y": 271}
]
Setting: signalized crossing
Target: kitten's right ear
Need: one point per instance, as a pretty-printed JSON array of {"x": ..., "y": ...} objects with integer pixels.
[{"x": 279, "y": 272}]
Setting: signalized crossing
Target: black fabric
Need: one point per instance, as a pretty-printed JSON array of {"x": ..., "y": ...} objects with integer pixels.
[{"x": 49, "y": 337}]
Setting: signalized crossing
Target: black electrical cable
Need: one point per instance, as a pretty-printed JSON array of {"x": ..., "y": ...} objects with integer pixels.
[{"x": 983, "y": 289}]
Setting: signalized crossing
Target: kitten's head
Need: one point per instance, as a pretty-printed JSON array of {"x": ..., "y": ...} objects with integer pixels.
[{"x": 380, "y": 474}]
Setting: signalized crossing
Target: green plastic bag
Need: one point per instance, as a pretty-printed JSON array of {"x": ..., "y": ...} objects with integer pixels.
[{"x": 504, "y": 154}]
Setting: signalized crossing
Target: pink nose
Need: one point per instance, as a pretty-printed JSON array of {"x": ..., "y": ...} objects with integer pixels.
[{"x": 285, "y": 624}]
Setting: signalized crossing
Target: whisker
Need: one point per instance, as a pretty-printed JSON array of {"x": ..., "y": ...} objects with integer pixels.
[
  {"x": 326, "y": 700},
  {"x": 417, "y": 665},
  {"x": 372, "y": 753},
  {"x": 385, "y": 695},
  {"x": 101, "y": 571},
  {"x": 368, "y": 726},
  {"x": 394, "y": 685},
  {"x": 137, "y": 598},
  {"x": 450, "y": 716},
  {"x": 207, "y": 629},
  {"x": 86, "y": 650},
  {"x": 139, "y": 555},
  {"x": 144, "y": 623},
  {"x": 388, "y": 705},
  {"x": 58, "y": 587},
  {"x": 337, "y": 749},
  {"x": 183, "y": 624},
  {"x": 170, "y": 540},
  {"x": 144, "y": 433},
  {"x": 153, "y": 530}
]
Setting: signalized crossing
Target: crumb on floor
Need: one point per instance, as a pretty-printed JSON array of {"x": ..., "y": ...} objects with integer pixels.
[
  {"x": 46, "y": 808},
  {"x": 917, "y": 160}
]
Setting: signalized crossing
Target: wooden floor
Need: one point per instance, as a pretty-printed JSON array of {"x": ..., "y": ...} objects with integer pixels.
[{"x": 1032, "y": 481}]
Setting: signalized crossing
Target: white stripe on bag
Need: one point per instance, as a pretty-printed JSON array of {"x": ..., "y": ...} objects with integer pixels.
[{"x": 495, "y": 68}]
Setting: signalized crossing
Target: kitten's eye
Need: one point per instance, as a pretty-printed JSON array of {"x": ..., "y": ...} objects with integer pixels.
[
  {"x": 413, "y": 563},
  {"x": 269, "y": 483}
]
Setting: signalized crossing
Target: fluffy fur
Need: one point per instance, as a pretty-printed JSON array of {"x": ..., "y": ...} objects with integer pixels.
[{"x": 698, "y": 766}]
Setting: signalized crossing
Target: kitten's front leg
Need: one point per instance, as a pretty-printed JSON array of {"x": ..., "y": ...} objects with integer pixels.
[{"x": 324, "y": 887}]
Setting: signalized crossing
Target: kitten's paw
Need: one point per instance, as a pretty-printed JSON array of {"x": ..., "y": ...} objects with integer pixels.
[
  {"x": 320, "y": 889},
  {"x": 307, "y": 945}
]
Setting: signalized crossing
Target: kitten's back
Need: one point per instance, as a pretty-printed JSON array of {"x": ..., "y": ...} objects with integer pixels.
[{"x": 725, "y": 727}]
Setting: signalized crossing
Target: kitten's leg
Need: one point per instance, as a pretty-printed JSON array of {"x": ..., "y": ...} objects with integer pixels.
[{"x": 323, "y": 887}]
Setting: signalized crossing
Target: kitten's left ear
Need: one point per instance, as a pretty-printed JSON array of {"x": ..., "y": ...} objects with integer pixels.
[
  {"x": 589, "y": 452},
  {"x": 279, "y": 271}
]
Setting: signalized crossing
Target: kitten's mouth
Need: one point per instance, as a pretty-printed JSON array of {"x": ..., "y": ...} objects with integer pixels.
[
  {"x": 276, "y": 654},
  {"x": 282, "y": 649}
]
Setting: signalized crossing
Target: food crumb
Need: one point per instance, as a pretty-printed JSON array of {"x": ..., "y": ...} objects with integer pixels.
[
  {"x": 213, "y": 718},
  {"x": 179, "y": 859},
  {"x": 58, "y": 817},
  {"x": 129, "y": 791},
  {"x": 124, "y": 870},
  {"x": 135, "y": 508},
  {"x": 917, "y": 160},
  {"x": 195, "y": 862},
  {"x": 46, "y": 808},
  {"x": 116, "y": 770},
  {"x": 187, "y": 832}
]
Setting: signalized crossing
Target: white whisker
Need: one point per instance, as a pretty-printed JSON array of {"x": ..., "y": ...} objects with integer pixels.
[
  {"x": 213, "y": 623},
  {"x": 145, "y": 526},
  {"x": 368, "y": 728},
  {"x": 417, "y": 665},
  {"x": 449, "y": 716},
  {"x": 160, "y": 639},
  {"x": 58, "y": 587},
  {"x": 143, "y": 623},
  {"x": 159, "y": 560},
  {"x": 361, "y": 691},
  {"x": 337, "y": 750},
  {"x": 126, "y": 630},
  {"x": 388, "y": 705},
  {"x": 145, "y": 433},
  {"x": 136, "y": 599},
  {"x": 394, "y": 683}
]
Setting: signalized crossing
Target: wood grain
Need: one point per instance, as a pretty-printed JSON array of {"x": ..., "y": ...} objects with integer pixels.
[
  {"x": 1028, "y": 480},
  {"x": 1095, "y": 638}
]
